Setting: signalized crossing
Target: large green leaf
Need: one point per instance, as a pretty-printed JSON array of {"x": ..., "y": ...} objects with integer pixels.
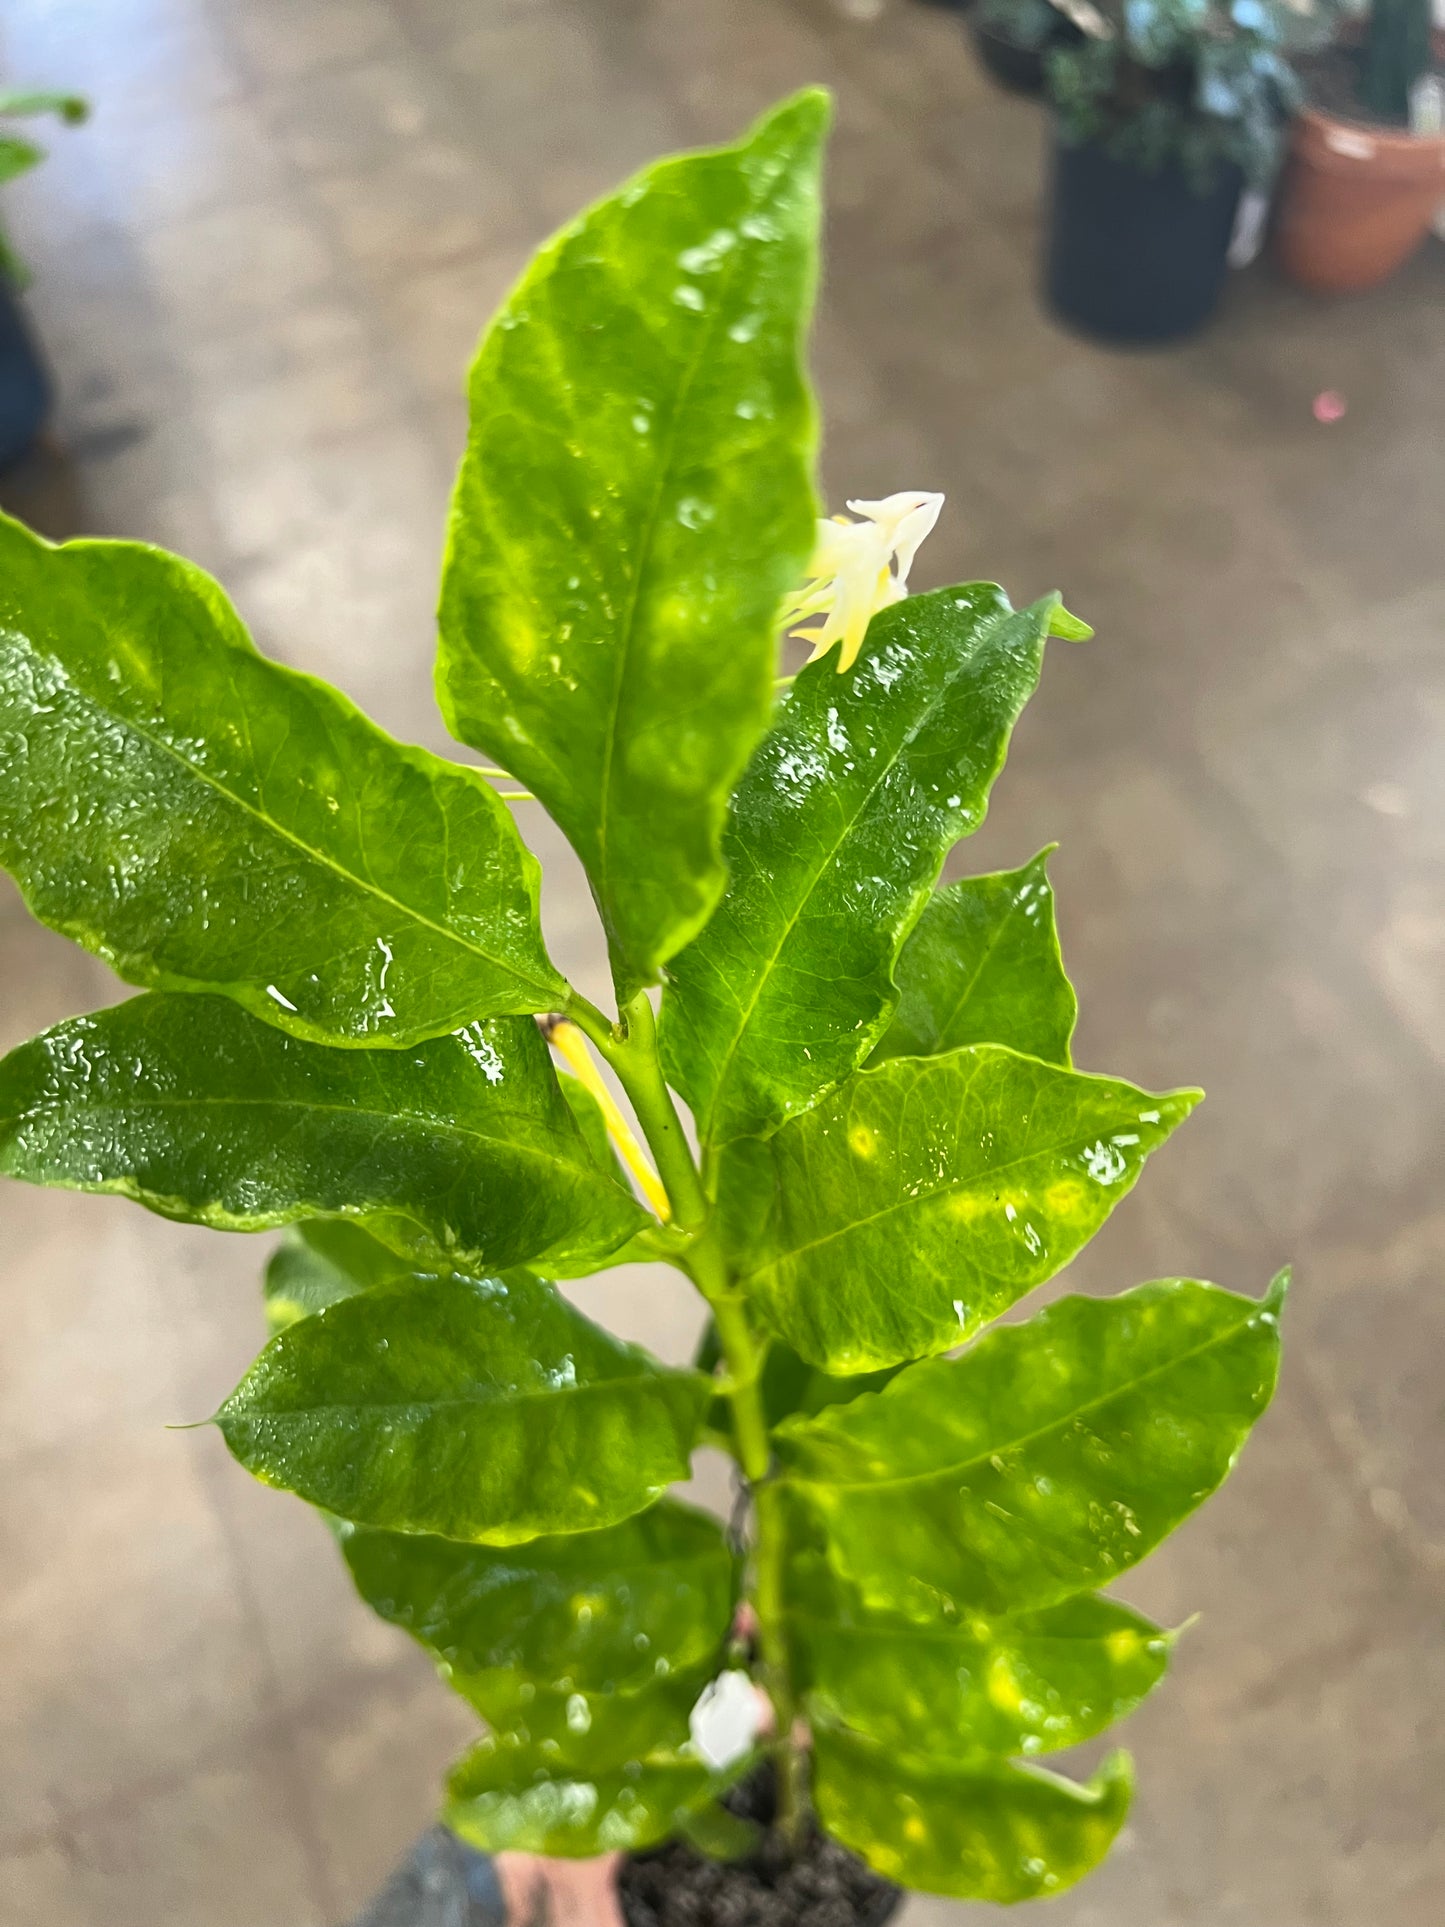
[
  {"x": 599, "y": 1732},
  {"x": 949, "y": 1684},
  {"x": 838, "y": 829},
  {"x": 320, "y": 1262},
  {"x": 634, "y": 502},
  {"x": 479, "y": 1409},
  {"x": 588, "y": 1613},
  {"x": 509, "y": 1797},
  {"x": 925, "y": 1196},
  {"x": 1046, "y": 1460},
  {"x": 207, "y": 820},
  {"x": 591, "y": 1647},
  {"x": 460, "y": 1150},
  {"x": 976, "y": 1829},
  {"x": 983, "y": 967}
]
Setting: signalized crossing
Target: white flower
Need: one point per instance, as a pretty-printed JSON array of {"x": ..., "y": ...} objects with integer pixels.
[{"x": 858, "y": 568}]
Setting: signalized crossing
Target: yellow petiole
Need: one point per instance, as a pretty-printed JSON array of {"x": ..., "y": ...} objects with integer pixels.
[{"x": 571, "y": 1046}]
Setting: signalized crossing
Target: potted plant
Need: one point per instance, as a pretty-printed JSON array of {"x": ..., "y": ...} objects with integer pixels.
[
  {"x": 1012, "y": 39},
  {"x": 344, "y": 1029},
  {"x": 24, "y": 381},
  {"x": 1366, "y": 169},
  {"x": 1165, "y": 110}
]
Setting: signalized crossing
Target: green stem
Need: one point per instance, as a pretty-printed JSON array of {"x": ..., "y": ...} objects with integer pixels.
[
  {"x": 743, "y": 1357},
  {"x": 768, "y": 1603},
  {"x": 631, "y": 1050}
]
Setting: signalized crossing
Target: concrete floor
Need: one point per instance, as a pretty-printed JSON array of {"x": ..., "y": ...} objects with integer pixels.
[{"x": 260, "y": 271}]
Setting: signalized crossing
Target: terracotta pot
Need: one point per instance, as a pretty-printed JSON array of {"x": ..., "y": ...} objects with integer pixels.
[{"x": 1356, "y": 200}]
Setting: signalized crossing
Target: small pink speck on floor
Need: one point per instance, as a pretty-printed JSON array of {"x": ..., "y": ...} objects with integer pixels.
[{"x": 1328, "y": 406}]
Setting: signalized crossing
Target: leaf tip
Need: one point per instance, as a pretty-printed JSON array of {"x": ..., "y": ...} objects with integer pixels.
[
  {"x": 1067, "y": 627},
  {"x": 1113, "y": 1784},
  {"x": 1169, "y": 1109},
  {"x": 803, "y": 117},
  {"x": 1274, "y": 1298}
]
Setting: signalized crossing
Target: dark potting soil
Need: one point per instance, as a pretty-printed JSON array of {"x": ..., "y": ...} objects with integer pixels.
[
  {"x": 820, "y": 1885},
  {"x": 1332, "y": 83}
]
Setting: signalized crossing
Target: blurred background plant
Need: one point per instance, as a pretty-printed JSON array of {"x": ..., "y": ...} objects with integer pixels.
[
  {"x": 1191, "y": 82},
  {"x": 18, "y": 155},
  {"x": 1027, "y": 23}
]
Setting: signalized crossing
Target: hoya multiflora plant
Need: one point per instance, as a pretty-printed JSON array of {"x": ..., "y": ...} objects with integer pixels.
[{"x": 344, "y": 972}]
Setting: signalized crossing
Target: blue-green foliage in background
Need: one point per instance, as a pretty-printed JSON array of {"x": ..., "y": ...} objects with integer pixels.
[{"x": 1199, "y": 84}]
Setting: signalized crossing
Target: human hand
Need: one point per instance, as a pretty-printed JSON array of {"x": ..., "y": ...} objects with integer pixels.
[{"x": 539, "y": 1892}]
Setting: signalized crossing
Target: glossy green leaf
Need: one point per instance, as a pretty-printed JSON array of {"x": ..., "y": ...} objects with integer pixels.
[
  {"x": 590, "y": 1681},
  {"x": 589, "y": 1613},
  {"x": 591, "y": 1732},
  {"x": 634, "y": 502},
  {"x": 943, "y": 1685},
  {"x": 320, "y": 1262},
  {"x": 478, "y": 1409},
  {"x": 592, "y": 1647},
  {"x": 509, "y": 1798},
  {"x": 461, "y": 1150},
  {"x": 838, "y": 829},
  {"x": 974, "y": 1829},
  {"x": 925, "y": 1196},
  {"x": 207, "y": 820},
  {"x": 1047, "y": 1459},
  {"x": 983, "y": 967}
]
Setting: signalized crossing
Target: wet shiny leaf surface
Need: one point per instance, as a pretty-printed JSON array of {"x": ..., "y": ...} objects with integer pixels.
[
  {"x": 207, "y": 820},
  {"x": 478, "y": 1409},
  {"x": 1047, "y": 1459},
  {"x": 945, "y": 1685},
  {"x": 983, "y": 967},
  {"x": 979, "y": 1830},
  {"x": 925, "y": 1196},
  {"x": 585, "y": 1613},
  {"x": 838, "y": 829},
  {"x": 634, "y": 502},
  {"x": 508, "y": 1798},
  {"x": 589, "y": 1733},
  {"x": 461, "y": 1150}
]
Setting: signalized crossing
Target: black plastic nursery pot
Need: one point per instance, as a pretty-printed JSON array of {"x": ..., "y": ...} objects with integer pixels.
[
  {"x": 25, "y": 393},
  {"x": 1132, "y": 257}
]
